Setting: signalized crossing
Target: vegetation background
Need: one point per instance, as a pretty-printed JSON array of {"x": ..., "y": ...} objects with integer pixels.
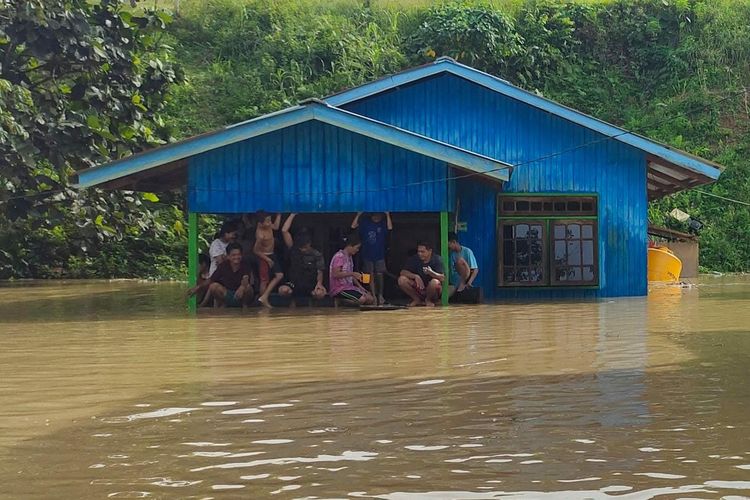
[{"x": 674, "y": 70}]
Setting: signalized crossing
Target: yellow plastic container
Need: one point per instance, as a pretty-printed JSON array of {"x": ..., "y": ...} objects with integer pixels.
[{"x": 663, "y": 265}]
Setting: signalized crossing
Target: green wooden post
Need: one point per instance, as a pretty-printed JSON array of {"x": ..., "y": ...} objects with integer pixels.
[
  {"x": 192, "y": 258},
  {"x": 444, "y": 253}
]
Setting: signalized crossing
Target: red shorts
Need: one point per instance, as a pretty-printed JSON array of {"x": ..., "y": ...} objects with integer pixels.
[{"x": 265, "y": 270}]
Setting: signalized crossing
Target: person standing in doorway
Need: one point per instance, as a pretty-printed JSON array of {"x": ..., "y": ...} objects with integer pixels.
[
  {"x": 422, "y": 276},
  {"x": 269, "y": 268},
  {"x": 373, "y": 232},
  {"x": 463, "y": 265}
]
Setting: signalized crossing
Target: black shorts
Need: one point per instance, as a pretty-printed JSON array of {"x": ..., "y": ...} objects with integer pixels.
[
  {"x": 300, "y": 290},
  {"x": 351, "y": 295}
]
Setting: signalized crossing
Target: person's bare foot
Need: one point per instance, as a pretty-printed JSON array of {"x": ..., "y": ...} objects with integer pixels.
[
  {"x": 429, "y": 304},
  {"x": 415, "y": 303},
  {"x": 264, "y": 302},
  {"x": 381, "y": 300}
]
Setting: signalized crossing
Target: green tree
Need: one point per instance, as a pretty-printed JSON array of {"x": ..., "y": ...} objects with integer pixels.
[{"x": 81, "y": 82}]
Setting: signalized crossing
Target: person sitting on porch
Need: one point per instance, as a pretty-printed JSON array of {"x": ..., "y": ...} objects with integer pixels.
[
  {"x": 217, "y": 252},
  {"x": 345, "y": 283},
  {"x": 463, "y": 265},
  {"x": 373, "y": 232},
  {"x": 202, "y": 281},
  {"x": 306, "y": 265},
  {"x": 269, "y": 268},
  {"x": 422, "y": 276},
  {"x": 230, "y": 283}
]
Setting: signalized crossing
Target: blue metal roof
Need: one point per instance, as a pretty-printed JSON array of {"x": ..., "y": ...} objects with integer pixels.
[
  {"x": 662, "y": 159},
  {"x": 313, "y": 110}
]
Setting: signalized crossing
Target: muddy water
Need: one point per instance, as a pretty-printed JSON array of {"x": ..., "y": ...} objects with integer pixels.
[{"x": 111, "y": 390}]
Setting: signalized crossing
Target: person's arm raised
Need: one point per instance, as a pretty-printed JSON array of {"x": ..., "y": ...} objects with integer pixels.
[
  {"x": 388, "y": 221},
  {"x": 277, "y": 222},
  {"x": 288, "y": 240},
  {"x": 355, "y": 222}
]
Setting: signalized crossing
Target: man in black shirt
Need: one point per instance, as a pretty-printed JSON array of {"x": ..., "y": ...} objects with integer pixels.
[
  {"x": 422, "y": 276},
  {"x": 306, "y": 265},
  {"x": 230, "y": 283}
]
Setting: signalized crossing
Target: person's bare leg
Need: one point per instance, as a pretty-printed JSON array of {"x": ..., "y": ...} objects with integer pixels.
[
  {"x": 264, "y": 273},
  {"x": 247, "y": 299},
  {"x": 219, "y": 294},
  {"x": 206, "y": 296},
  {"x": 367, "y": 299},
  {"x": 379, "y": 280},
  {"x": 433, "y": 292},
  {"x": 406, "y": 285},
  {"x": 247, "y": 291},
  {"x": 263, "y": 299},
  {"x": 464, "y": 271}
]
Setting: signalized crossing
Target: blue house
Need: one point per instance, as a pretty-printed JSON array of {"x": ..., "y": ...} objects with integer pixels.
[{"x": 552, "y": 201}]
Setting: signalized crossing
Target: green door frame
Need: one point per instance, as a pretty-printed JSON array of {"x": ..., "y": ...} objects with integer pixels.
[
  {"x": 192, "y": 258},
  {"x": 444, "y": 255}
]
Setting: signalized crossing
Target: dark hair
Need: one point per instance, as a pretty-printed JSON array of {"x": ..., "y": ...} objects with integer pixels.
[
  {"x": 229, "y": 226},
  {"x": 352, "y": 240},
  {"x": 425, "y": 244},
  {"x": 204, "y": 259},
  {"x": 261, "y": 215},
  {"x": 234, "y": 246},
  {"x": 452, "y": 236},
  {"x": 303, "y": 239}
]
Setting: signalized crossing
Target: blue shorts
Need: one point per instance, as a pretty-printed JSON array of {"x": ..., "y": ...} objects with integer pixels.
[{"x": 230, "y": 300}]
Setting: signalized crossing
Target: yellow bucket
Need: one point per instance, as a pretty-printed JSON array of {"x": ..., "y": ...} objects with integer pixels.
[{"x": 663, "y": 265}]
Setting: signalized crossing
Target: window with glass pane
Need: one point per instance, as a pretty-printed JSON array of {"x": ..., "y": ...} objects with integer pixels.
[
  {"x": 574, "y": 259},
  {"x": 523, "y": 253}
]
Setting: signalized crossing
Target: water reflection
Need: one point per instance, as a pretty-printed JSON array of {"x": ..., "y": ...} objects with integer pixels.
[{"x": 117, "y": 393}]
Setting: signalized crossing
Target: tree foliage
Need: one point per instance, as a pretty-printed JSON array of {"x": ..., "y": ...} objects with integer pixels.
[
  {"x": 85, "y": 81},
  {"x": 80, "y": 83}
]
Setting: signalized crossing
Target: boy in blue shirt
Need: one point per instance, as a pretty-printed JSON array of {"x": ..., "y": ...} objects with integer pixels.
[
  {"x": 463, "y": 265},
  {"x": 373, "y": 232}
]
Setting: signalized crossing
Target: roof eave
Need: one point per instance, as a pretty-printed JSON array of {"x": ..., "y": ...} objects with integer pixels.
[{"x": 448, "y": 65}]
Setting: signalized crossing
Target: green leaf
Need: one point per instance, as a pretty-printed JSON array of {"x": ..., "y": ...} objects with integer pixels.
[
  {"x": 93, "y": 122},
  {"x": 164, "y": 17},
  {"x": 150, "y": 197}
]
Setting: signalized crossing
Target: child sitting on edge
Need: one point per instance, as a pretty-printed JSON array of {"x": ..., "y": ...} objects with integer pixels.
[{"x": 202, "y": 280}]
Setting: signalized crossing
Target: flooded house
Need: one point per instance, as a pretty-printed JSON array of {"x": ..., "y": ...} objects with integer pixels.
[{"x": 553, "y": 202}]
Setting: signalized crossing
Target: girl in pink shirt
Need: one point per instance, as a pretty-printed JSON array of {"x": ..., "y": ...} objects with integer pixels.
[{"x": 344, "y": 282}]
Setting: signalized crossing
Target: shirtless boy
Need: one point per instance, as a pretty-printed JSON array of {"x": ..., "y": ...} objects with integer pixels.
[{"x": 269, "y": 269}]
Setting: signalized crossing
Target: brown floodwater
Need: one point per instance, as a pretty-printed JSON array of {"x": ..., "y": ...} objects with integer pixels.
[{"x": 111, "y": 390}]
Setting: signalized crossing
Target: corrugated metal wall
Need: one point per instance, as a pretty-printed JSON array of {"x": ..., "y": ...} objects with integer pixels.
[
  {"x": 476, "y": 206},
  {"x": 315, "y": 167},
  {"x": 451, "y": 109}
]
